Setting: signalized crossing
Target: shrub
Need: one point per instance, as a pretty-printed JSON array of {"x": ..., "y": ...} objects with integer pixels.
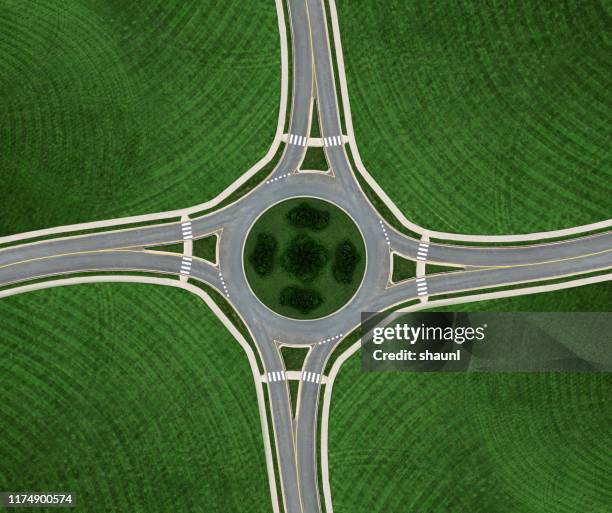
[
  {"x": 264, "y": 254},
  {"x": 346, "y": 259},
  {"x": 306, "y": 216},
  {"x": 304, "y": 258},
  {"x": 302, "y": 299}
]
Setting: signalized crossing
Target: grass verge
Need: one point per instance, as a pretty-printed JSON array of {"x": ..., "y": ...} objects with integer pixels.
[
  {"x": 487, "y": 443},
  {"x": 483, "y": 118},
  {"x": 127, "y": 115},
  {"x": 104, "y": 381}
]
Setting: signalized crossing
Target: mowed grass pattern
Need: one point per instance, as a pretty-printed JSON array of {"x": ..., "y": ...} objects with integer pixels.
[
  {"x": 112, "y": 108},
  {"x": 133, "y": 396},
  {"x": 488, "y": 443},
  {"x": 484, "y": 118}
]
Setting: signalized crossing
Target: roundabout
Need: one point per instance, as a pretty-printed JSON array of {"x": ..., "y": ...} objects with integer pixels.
[{"x": 304, "y": 258}]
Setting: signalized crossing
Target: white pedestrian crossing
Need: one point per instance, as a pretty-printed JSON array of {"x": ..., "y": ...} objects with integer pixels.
[
  {"x": 421, "y": 286},
  {"x": 311, "y": 377},
  {"x": 335, "y": 140},
  {"x": 186, "y": 265},
  {"x": 275, "y": 376},
  {"x": 186, "y": 229},
  {"x": 298, "y": 140},
  {"x": 422, "y": 251}
]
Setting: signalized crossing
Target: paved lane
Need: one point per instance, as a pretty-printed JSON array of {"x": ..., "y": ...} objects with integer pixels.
[{"x": 295, "y": 439}]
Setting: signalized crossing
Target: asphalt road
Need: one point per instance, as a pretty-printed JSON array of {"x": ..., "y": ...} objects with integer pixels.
[{"x": 313, "y": 78}]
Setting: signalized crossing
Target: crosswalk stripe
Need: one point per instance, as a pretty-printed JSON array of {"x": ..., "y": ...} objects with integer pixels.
[
  {"x": 311, "y": 377},
  {"x": 422, "y": 251},
  {"x": 421, "y": 287},
  {"x": 274, "y": 376},
  {"x": 298, "y": 140},
  {"x": 186, "y": 230}
]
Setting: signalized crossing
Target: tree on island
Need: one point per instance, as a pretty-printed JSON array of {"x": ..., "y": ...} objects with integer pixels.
[
  {"x": 263, "y": 255},
  {"x": 307, "y": 216},
  {"x": 302, "y": 299},
  {"x": 346, "y": 259},
  {"x": 304, "y": 258}
]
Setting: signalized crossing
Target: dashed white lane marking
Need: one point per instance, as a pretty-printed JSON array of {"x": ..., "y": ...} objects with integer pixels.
[
  {"x": 286, "y": 175},
  {"x": 421, "y": 286},
  {"x": 330, "y": 339},
  {"x": 311, "y": 377},
  {"x": 276, "y": 376},
  {"x": 335, "y": 140},
  {"x": 382, "y": 225},
  {"x": 298, "y": 140},
  {"x": 422, "y": 251},
  {"x": 186, "y": 229},
  {"x": 223, "y": 283},
  {"x": 186, "y": 266}
]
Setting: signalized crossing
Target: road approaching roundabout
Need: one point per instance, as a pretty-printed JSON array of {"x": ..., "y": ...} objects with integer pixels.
[
  {"x": 304, "y": 258},
  {"x": 300, "y": 256}
]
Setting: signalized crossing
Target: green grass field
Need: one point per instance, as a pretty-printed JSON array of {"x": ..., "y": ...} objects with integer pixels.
[
  {"x": 490, "y": 118},
  {"x": 268, "y": 288},
  {"x": 483, "y": 443},
  {"x": 133, "y": 396},
  {"x": 110, "y": 109}
]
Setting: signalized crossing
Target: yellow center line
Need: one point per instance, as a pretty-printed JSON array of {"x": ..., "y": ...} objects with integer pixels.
[
  {"x": 123, "y": 249},
  {"x": 546, "y": 262}
]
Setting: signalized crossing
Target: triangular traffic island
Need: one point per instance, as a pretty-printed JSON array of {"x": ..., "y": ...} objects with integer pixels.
[
  {"x": 402, "y": 268},
  {"x": 436, "y": 269},
  {"x": 315, "y": 130},
  {"x": 204, "y": 247},
  {"x": 314, "y": 160}
]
